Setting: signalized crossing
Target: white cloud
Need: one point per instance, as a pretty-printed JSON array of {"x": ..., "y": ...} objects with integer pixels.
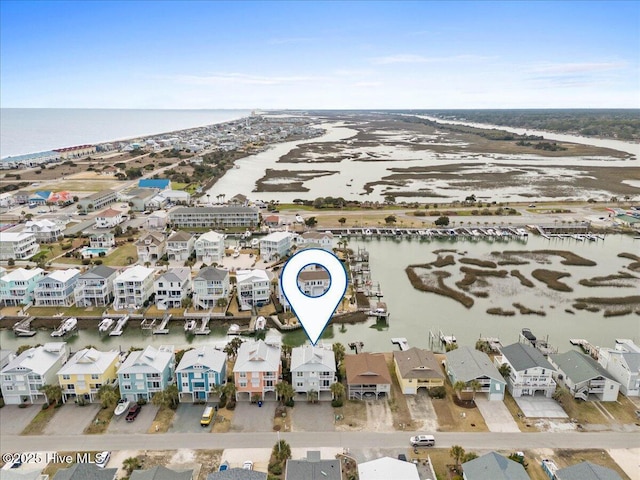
[
  {"x": 413, "y": 58},
  {"x": 572, "y": 68},
  {"x": 241, "y": 78}
]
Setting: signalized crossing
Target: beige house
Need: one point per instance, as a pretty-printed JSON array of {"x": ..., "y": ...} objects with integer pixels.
[
  {"x": 417, "y": 368},
  {"x": 151, "y": 247},
  {"x": 367, "y": 376}
]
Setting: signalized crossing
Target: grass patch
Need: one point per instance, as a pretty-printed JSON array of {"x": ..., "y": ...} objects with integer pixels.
[
  {"x": 223, "y": 421},
  {"x": 120, "y": 256},
  {"x": 163, "y": 420},
  {"x": 608, "y": 281},
  {"x": 66, "y": 311},
  {"x": 583, "y": 412},
  {"x": 443, "y": 261},
  {"x": 518, "y": 416},
  {"x": 551, "y": 278},
  {"x": 471, "y": 275},
  {"x": 398, "y": 401},
  {"x": 478, "y": 263},
  {"x": 570, "y": 258},
  {"x": 437, "y": 286},
  {"x": 501, "y": 312},
  {"x": 454, "y": 418},
  {"x": 351, "y": 416},
  {"x": 40, "y": 421},
  {"x": 529, "y": 311},
  {"x": 100, "y": 423},
  {"x": 282, "y": 423},
  {"x": 523, "y": 280}
]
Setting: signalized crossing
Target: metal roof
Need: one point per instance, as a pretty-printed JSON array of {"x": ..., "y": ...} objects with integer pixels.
[
  {"x": 494, "y": 467},
  {"x": 522, "y": 356}
]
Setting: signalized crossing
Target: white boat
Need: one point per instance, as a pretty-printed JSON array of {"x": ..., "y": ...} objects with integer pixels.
[
  {"x": 255, "y": 242},
  {"x": 105, "y": 325},
  {"x": 121, "y": 407},
  {"x": 236, "y": 254},
  {"x": 190, "y": 325},
  {"x": 68, "y": 325},
  {"x": 234, "y": 329}
]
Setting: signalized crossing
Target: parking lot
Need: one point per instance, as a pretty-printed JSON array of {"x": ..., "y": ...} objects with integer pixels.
[
  {"x": 14, "y": 419},
  {"x": 248, "y": 417},
  {"x": 187, "y": 419},
  {"x": 141, "y": 424},
  {"x": 71, "y": 419}
]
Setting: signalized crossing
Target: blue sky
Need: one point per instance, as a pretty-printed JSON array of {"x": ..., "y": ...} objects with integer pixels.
[{"x": 418, "y": 54}]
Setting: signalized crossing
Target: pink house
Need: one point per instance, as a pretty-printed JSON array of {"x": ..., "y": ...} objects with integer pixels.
[{"x": 257, "y": 370}]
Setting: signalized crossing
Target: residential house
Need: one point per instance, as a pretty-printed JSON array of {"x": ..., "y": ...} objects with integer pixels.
[
  {"x": 210, "y": 285},
  {"x": 210, "y": 247},
  {"x": 77, "y": 151},
  {"x": 157, "y": 220},
  {"x": 529, "y": 372},
  {"x": 367, "y": 376},
  {"x": 109, "y": 218},
  {"x": 272, "y": 221},
  {"x": 168, "y": 198},
  {"x": 237, "y": 474},
  {"x": 133, "y": 287},
  {"x": 387, "y": 468},
  {"x": 312, "y": 280},
  {"x": 16, "y": 287},
  {"x": 172, "y": 287},
  {"x": 199, "y": 371},
  {"x": 95, "y": 287},
  {"x": 5, "y": 357},
  {"x": 161, "y": 473},
  {"x": 276, "y": 245},
  {"x": 88, "y": 370},
  {"x": 493, "y": 466},
  {"x": 102, "y": 240},
  {"x": 97, "y": 200},
  {"x": 139, "y": 198},
  {"x": 18, "y": 245},
  {"x": 218, "y": 217},
  {"x": 86, "y": 471},
  {"x": 146, "y": 372},
  {"x": 623, "y": 364},
  {"x": 417, "y": 368},
  {"x": 257, "y": 370},
  {"x": 180, "y": 245},
  {"x": 239, "y": 199},
  {"x": 253, "y": 288},
  {"x": 39, "y": 198},
  {"x": 18, "y": 474},
  {"x": 586, "y": 471},
  {"x": 45, "y": 230},
  {"x": 312, "y": 239},
  {"x": 313, "y": 468},
  {"x": 313, "y": 368},
  {"x": 57, "y": 289},
  {"x": 25, "y": 374},
  {"x": 151, "y": 247},
  {"x": 159, "y": 183},
  {"x": 585, "y": 378},
  {"x": 61, "y": 199},
  {"x": 467, "y": 365}
]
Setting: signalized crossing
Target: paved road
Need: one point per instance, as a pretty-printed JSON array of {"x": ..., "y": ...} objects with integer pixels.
[{"x": 354, "y": 440}]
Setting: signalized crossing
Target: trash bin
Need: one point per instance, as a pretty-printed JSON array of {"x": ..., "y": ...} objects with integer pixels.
[{"x": 259, "y": 403}]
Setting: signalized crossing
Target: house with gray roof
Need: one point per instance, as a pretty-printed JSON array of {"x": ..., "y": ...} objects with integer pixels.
[
  {"x": 493, "y": 466},
  {"x": 172, "y": 287},
  {"x": 313, "y": 368},
  {"x": 210, "y": 247},
  {"x": 85, "y": 471},
  {"x": 20, "y": 475},
  {"x": 95, "y": 287},
  {"x": 210, "y": 285},
  {"x": 199, "y": 371},
  {"x": 180, "y": 245},
  {"x": 467, "y": 365},
  {"x": 584, "y": 377},
  {"x": 417, "y": 368},
  {"x": 151, "y": 247},
  {"x": 313, "y": 468},
  {"x": 161, "y": 473},
  {"x": 623, "y": 364},
  {"x": 529, "y": 372},
  {"x": 237, "y": 474},
  {"x": 586, "y": 471},
  {"x": 146, "y": 372}
]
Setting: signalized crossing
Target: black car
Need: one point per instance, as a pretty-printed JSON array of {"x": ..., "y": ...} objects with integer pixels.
[
  {"x": 133, "y": 412},
  {"x": 402, "y": 457}
]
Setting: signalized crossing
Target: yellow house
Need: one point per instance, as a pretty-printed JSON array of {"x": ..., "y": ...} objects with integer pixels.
[
  {"x": 416, "y": 368},
  {"x": 83, "y": 375}
]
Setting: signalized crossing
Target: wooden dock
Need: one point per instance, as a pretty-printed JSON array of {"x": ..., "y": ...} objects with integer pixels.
[
  {"x": 203, "y": 329},
  {"x": 401, "y": 342},
  {"x": 120, "y": 324},
  {"x": 357, "y": 346},
  {"x": 23, "y": 328},
  {"x": 162, "y": 328},
  {"x": 586, "y": 346}
]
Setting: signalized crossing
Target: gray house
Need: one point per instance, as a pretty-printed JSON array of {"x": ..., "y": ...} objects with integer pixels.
[
  {"x": 180, "y": 245},
  {"x": 584, "y": 377},
  {"x": 313, "y": 468},
  {"x": 95, "y": 287},
  {"x": 161, "y": 473},
  {"x": 86, "y": 471},
  {"x": 313, "y": 369},
  {"x": 493, "y": 467},
  {"x": 530, "y": 373},
  {"x": 237, "y": 474},
  {"x": 466, "y": 364},
  {"x": 586, "y": 471}
]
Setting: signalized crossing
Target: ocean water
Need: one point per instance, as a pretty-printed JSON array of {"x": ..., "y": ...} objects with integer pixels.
[{"x": 30, "y": 130}]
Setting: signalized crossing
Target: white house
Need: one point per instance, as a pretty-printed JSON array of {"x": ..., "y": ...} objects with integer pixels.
[
  {"x": 57, "y": 289},
  {"x": 95, "y": 287},
  {"x": 180, "y": 245},
  {"x": 276, "y": 245},
  {"x": 623, "y": 364},
  {"x": 133, "y": 287},
  {"x": 313, "y": 368},
  {"x": 18, "y": 245},
  {"x": 102, "y": 240},
  {"x": 253, "y": 288},
  {"x": 529, "y": 372},
  {"x": 45, "y": 230},
  {"x": 172, "y": 287},
  {"x": 210, "y": 285},
  {"x": 210, "y": 247},
  {"x": 387, "y": 468},
  {"x": 109, "y": 218},
  {"x": 323, "y": 240},
  {"x": 312, "y": 281},
  {"x": 16, "y": 287},
  {"x": 37, "y": 366},
  {"x": 584, "y": 377}
]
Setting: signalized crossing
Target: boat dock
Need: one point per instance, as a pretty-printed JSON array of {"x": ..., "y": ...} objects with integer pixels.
[
  {"x": 493, "y": 343},
  {"x": 380, "y": 311},
  {"x": 401, "y": 342},
  {"x": 23, "y": 328},
  {"x": 579, "y": 232},
  {"x": 357, "y": 346},
  {"x": 120, "y": 324},
  {"x": 526, "y": 336},
  {"x": 586, "y": 346},
  {"x": 203, "y": 329},
  {"x": 68, "y": 326},
  {"x": 162, "y": 328}
]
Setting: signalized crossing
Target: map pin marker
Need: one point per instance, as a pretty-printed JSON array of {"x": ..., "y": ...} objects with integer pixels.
[{"x": 313, "y": 312}]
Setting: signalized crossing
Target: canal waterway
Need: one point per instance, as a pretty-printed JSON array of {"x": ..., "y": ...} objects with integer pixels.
[{"x": 414, "y": 313}]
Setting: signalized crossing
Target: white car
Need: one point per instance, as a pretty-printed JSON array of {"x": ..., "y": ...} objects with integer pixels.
[
  {"x": 247, "y": 465},
  {"x": 102, "y": 458}
]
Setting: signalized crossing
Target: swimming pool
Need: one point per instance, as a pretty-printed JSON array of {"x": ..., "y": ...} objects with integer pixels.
[{"x": 93, "y": 252}]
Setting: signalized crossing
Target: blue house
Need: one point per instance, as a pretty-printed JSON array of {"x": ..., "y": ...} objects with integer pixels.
[
  {"x": 146, "y": 372},
  {"x": 161, "y": 183},
  {"x": 199, "y": 371},
  {"x": 39, "y": 198}
]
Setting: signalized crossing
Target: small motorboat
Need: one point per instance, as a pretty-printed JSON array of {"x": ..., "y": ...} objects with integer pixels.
[
  {"x": 189, "y": 325},
  {"x": 234, "y": 329},
  {"x": 121, "y": 407},
  {"x": 105, "y": 325}
]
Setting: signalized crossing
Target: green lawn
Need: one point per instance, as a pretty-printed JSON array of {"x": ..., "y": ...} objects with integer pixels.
[{"x": 120, "y": 255}]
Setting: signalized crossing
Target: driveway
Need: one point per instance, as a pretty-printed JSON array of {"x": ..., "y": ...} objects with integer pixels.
[
  {"x": 496, "y": 416},
  {"x": 187, "y": 419},
  {"x": 248, "y": 417},
  {"x": 422, "y": 411},
  {"x": 72, "y": 419},
  {"x": 316, "y": 417},
  {"x": 14, "y": 419},
  {"x": 141, "y": 424},
  {"x": 540, "y": 407}
]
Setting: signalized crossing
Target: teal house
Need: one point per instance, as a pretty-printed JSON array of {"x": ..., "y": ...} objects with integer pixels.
[
  {"x": 199, "y": 371},
  {"x": 146, "y": 372},
  {"x": 473, "y": 367}
]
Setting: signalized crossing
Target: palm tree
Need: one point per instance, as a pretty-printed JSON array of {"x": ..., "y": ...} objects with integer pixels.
[
  {"x": 505, "y": 370},
  {"x": 337, "y": 390},
  {"x": 282, "y": 451},
  {"x": 229, "y": 390},
  {"x": 475, "y": 386},
  {"x": 53, "y": 393},
  {"x": 167, "y": 398},
  {"x": 338, "y": 352},
  {"x": 312, "y": 396},
  {"x": 130, "y": 464},
  {"x": 285, "y": 391},
  {"x": 458, "y": 387},
  {"x": 457, "y": 453},
  {"x": 108, "y": 395},
  {"x": 129, "y": 260},
  {"x": 231, "y": 348}
]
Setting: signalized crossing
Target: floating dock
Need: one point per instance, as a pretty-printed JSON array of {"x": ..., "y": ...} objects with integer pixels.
[
  {"x": 120, "y": 324},
  {"x": 357, "y": 346},
  {"x": 401, "y": 342}
]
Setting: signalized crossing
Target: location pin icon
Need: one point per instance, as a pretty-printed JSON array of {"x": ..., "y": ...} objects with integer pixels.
[{"x": 313, "y": 312}]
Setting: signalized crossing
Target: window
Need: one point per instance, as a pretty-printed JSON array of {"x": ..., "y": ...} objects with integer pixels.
[
  {"x": 126, "y": 387},
  {"x": 299, "y": 374},
  {"x": 9, "y": 388},
  {"x": 126, "y": 376},
  {"x": 7, "y": 378},
  {"x": 243, "y": 374},
  {"x": 95, "y": 376},
  {"x": 299, "y": 384},
  {"x": 66, "y": 377}
]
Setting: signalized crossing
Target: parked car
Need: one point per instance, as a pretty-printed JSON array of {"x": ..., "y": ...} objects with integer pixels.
[
  {"x": 133, "y": 412},
  {"x": 247, "y": 465},
  {"x": 402, "y": 457},
  {"x": 102, "y": 459},
  {"x": 422, "y": 441}
]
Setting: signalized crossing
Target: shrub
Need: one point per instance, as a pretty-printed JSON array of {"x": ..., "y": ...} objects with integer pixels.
[
  {"x": 275, "y": 468},
  {"x": 231, "y": 404},
  {"x": 102, "y": 254},
  {"x": 45, "y": 406},
  {"x": 86, "y": 261},
  {"x": 97, "y": 262},
  {"x": 337, "y": 402},
  {"x": 66, "y": 246},
  {"x": 437, "y": 392}
]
